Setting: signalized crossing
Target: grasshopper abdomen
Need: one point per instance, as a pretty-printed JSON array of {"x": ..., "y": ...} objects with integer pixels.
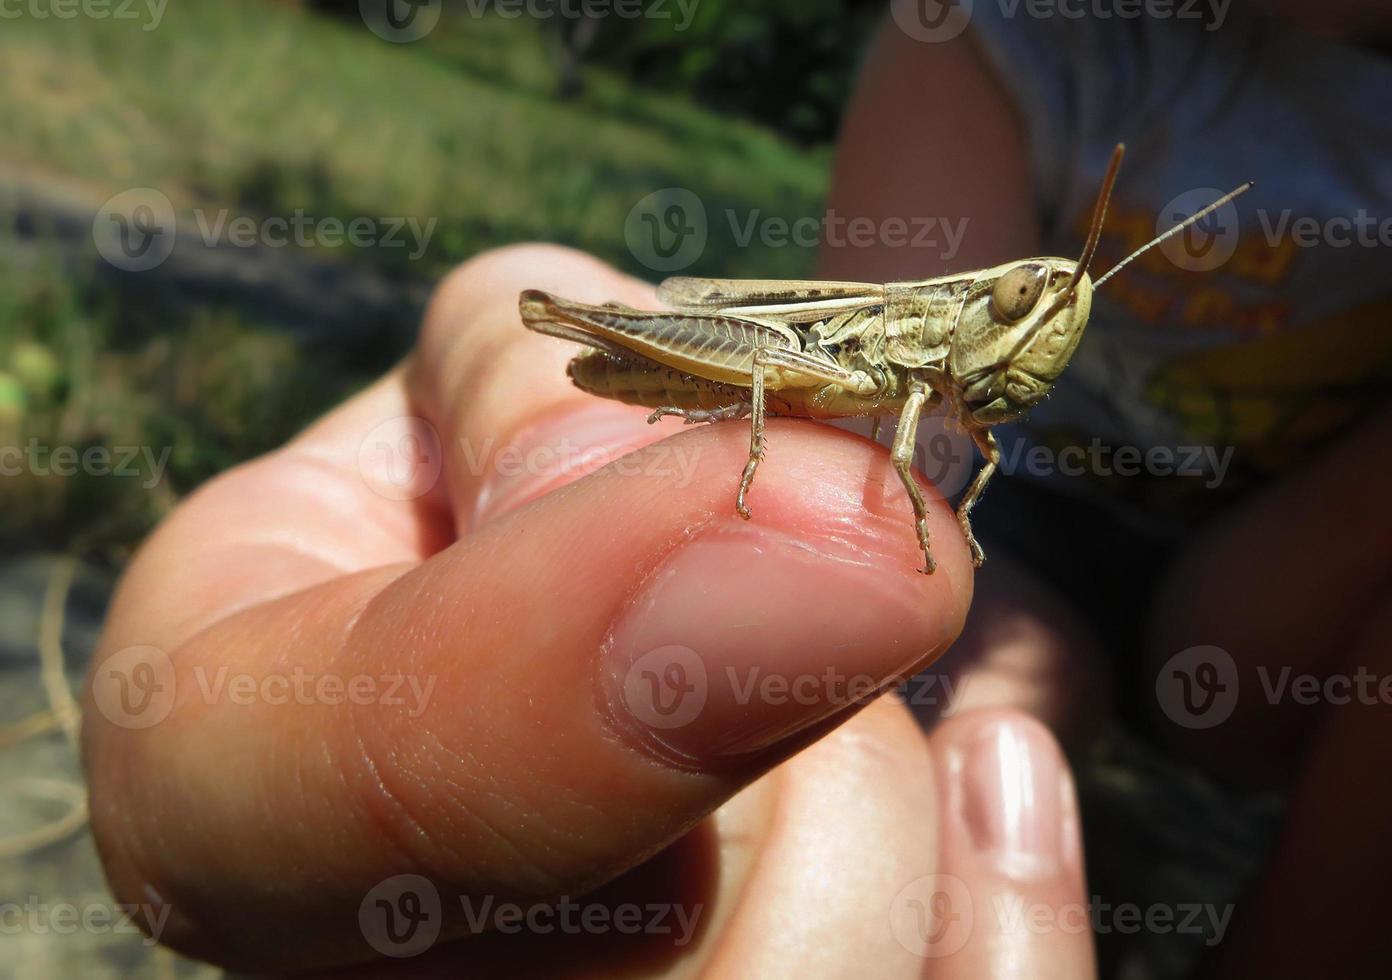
[{"x": 639, "y": 381}]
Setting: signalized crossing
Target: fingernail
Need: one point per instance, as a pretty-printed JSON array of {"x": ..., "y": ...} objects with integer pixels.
[
  {"x": 1012, "y": 799},
  {"x": 555, "y": 451},
  {"x": 749, "y": 634}
]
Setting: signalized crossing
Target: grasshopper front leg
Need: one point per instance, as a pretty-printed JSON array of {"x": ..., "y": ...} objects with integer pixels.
[
  {"x": 902, "y": 457},
  {"x": 986, "y": 443}
]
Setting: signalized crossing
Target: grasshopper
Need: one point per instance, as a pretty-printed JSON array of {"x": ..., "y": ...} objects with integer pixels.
[{"x": 989, "y": 344}]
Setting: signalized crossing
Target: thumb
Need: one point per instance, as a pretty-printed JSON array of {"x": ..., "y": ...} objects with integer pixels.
[{"x": 604, "y": 666}]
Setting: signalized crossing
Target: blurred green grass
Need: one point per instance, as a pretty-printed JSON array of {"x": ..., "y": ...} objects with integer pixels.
[
  {"x": 268, "y": 110},
  {"x": 76, "y": 371}
]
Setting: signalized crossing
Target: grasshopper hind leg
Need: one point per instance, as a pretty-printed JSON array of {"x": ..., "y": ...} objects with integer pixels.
[
  {"x": 756, "y": 435},
  {"x": 738, "y": 410}
]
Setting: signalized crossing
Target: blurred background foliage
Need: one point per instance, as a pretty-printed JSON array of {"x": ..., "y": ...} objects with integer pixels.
[{"x": 499, "y": 128}]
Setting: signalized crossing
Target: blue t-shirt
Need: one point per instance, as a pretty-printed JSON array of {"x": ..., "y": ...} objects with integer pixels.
[{"x": 1255, "y": 341}]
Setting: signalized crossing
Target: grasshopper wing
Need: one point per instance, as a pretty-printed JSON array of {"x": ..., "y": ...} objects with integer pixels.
[
  {"x": 786, "y": 300},
  {"x": 709, "y": 345}
]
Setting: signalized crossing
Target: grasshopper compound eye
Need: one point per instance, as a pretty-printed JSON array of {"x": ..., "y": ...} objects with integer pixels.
[{"x": 1017, "y": 292}]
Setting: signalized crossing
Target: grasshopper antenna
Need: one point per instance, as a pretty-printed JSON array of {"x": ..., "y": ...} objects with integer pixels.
[
  {"x": 1099, "y": 214},
  {"x": 1161, "y": 238}
]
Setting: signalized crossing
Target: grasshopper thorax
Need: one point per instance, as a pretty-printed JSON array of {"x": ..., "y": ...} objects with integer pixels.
[{"x": 1018, "y": 327}]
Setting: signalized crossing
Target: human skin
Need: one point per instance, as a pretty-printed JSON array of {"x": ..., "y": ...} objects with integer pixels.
[
  {"x": 1297, "y": 577},
  {"x": 798, "y": 830}
]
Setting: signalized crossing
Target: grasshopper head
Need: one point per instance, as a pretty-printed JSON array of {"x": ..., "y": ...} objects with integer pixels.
[
  {"x": 1021, "y": 322},
  {"x": 1017, "y": 332}
]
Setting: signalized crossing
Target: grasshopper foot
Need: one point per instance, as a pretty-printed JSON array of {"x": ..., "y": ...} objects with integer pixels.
[
  {"x": 741, "y": 508},
  {"x": 929, "y": 565},
  {"x": 978, "y": 556},
  {"x": 746, "y": 481}
]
